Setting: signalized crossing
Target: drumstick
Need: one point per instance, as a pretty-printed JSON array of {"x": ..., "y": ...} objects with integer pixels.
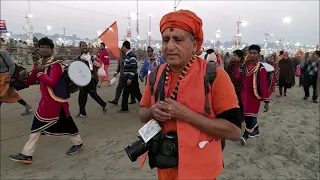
[{"x": 49, "y": 64}]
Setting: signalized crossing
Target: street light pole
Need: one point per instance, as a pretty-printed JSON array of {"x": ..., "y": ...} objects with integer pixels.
[
  {"x": 149, "y": 33},
  {"x": 176, "y": 5},
  {"x": 218, "y": 37},
  {"x": 266, "y": 44},
  {"x": 287, "y": 20}
]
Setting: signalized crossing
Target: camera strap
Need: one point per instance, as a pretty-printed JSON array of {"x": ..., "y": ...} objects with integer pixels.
[{"x": 160, "y": 87}]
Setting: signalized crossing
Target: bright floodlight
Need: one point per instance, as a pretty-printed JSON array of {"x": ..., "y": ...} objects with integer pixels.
[
  {"x": 133, "y": 16},
  {"x": 271, "y": 34},
  {"x": 297, "y": 44},
  {"x": 277, "y": 42},
  {"x": 8, "y": 34},
  {"x": 287, "y": 20},
  {"x": 149, "y": 33},
  {"x": 138, "y": 37},
  {"x": 217, "y": 35},
  {"x": 30, "y": 15},
  {"x": 218, "y": 31},
  {"x": 48, "y": 28},
  {"x": 211, "y": 41},
  {"x": 244, "y": 23},
  {"x": 99, "y": 32},
  {"x": 60, "y": 39}
]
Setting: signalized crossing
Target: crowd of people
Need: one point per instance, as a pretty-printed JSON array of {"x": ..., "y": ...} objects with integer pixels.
[{"x": 199, "y": 98}]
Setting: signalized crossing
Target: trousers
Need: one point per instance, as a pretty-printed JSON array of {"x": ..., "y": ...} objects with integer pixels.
[
  {"x": 91, "y": 89},
  {"x": 308, "y": 82},
  {"x": 121, "y": 84},
  {"x": 128, "y": 89},
  {"x": 34, "y": 138}
]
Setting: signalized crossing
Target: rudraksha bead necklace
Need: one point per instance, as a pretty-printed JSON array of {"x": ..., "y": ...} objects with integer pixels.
[{"x": 182, "y": 75}]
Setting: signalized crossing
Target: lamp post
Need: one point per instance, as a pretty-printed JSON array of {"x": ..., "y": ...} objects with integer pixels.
[
  {"x": 297, "y": 45},
  {"x": 149, "y": 33},
  {"x": 48, "y": 28},
  {"x": 266, "y": 43},
  {"x": 238, "y": 35},
  {"x": 176, "y": 4},
  {"x": 218, "y": 37},
  {"x": 287, "y": 20}
]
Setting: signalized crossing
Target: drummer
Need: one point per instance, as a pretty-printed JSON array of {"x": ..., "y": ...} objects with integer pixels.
[
  {"x": 53, "y": 115},
  {"x": 91, "y": 88}
]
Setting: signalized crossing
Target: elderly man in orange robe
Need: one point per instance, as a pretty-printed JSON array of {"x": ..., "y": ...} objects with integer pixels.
[{"x": 182, "y": 112}]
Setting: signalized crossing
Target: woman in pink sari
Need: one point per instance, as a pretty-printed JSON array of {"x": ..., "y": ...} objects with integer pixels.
[{"x": 103, "y": 57}]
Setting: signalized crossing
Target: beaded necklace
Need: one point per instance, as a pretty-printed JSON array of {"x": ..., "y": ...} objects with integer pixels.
[{"x": 182, "y": 75}]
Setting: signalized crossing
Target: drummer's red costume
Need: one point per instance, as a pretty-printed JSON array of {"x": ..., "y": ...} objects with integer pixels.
[
  {"x": 53, "y": 115},
  {"x": 254, "y": 90},
  {"x": 252, "y": 99}
]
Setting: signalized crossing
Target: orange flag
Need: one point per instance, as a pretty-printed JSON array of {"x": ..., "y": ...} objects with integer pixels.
[{"x": 110, "y": 38}]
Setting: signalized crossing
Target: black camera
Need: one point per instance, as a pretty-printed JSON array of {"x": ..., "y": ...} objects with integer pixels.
[
  {"x": 163, "y": 150},
  {"x": 136, "y": 149}
]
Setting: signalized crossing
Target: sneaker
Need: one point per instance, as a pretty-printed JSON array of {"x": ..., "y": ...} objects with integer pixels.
[
  {"x": 21, "y": 158},
  {"x": 26, "y": 112},
  {"x": 305, "y": 98},
  {"x": 104, "y": 109},
  {"x": 244, "y": 138},
  {"x": 113, "y": 102},
  {"x": 81, "y": 115},
  {"x": 315, "y": 101},
  {"x": 74, "y": 149},
  {"x": 255, "y": 133},
  {"x": 132, "y": 102}
]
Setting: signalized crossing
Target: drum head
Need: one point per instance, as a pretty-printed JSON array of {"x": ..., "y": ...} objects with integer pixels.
[
  {"x": 268, "y": 67},
  {"x": 79, "y": 73}
]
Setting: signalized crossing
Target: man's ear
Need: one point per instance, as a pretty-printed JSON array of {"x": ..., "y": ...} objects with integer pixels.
[{"x": 195, "y": 45}]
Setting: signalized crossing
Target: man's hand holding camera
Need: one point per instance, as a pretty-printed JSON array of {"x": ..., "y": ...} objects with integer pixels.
[
  {"x": 169, "y": 109},
  {"x": 160, "y": 111}
]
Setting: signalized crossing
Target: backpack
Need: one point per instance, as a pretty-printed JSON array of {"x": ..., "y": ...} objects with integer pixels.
[{"x": 208, "y": 80}]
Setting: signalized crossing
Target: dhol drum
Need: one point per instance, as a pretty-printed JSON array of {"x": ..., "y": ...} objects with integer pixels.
[
  {"x": 77, "y": 74},
  {"x": 268, "y": 67}
]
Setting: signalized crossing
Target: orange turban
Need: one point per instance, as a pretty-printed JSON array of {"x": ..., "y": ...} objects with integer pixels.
[{"x": 186, "y": 20}]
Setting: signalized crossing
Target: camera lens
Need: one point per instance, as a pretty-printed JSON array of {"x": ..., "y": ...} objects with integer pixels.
[
  {"x": 135, "y": 150},
  {"x": 167, "y": 148}
]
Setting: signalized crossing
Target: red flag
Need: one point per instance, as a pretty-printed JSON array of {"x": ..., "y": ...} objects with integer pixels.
[{"x": 110, "y": 38}]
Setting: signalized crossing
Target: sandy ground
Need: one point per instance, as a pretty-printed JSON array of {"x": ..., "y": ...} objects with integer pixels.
[{"x": 288, "y": 147}]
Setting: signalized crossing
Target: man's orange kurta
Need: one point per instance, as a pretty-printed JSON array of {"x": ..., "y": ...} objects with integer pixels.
[{"x": 196, "y": 163}]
